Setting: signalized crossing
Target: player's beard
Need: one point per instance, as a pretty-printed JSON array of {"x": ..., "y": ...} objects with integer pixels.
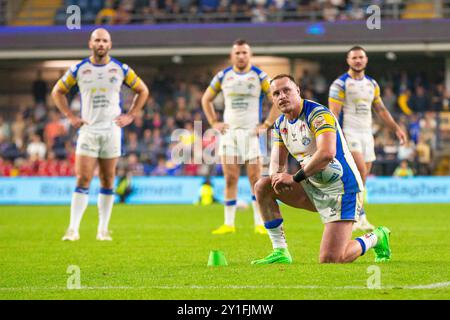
[
  {"x": 242, "y": 66},
  {"x": 362, "y": 69},
  {"x": 99, "y": 55}
]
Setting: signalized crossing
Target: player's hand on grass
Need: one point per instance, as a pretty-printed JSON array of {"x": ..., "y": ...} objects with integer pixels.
[
  {"x": 282, "y": 182},
  {"x": 77, "y": 122},
  {"x": 220, "y": 126},
  {"x": 123, "y": 120}
]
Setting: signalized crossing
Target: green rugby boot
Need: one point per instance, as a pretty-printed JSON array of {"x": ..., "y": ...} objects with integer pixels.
[
  {"x": 382, "y": 248},
  {"x": 277, "y": 256}
]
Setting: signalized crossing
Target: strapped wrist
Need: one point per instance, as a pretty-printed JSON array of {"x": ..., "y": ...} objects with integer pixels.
[{"x": 299, "y": 176}]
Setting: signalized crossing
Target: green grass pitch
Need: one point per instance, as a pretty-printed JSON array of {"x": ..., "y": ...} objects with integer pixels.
[{"x": 161, "y": 252}]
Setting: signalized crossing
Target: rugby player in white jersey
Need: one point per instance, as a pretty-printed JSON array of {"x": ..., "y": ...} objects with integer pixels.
[
  {"x": 99, "y": 79},
  {"x": 244, "y": 87},
  {"x": 310, "y": 133},
  {"x": 352, "y": 98}
]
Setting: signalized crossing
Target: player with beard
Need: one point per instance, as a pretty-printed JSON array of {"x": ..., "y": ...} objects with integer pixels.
[
  {"x": 99, "y": 79},
  {"x": 243, "y": 87},
  {"x": 352, "y": 98}
]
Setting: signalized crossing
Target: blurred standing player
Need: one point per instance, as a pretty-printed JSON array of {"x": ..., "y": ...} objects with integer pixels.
[
  {"x": 243, "y": 86},
  {"x": 99, "y": 78},
  {"x": 352, "y": 97},
  {"x": 308, "y": 130}
]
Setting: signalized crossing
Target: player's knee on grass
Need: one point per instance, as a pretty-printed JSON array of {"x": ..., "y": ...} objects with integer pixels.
[{"x": 331, "y": 257}]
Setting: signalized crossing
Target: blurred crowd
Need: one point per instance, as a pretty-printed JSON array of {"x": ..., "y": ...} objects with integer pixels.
[
  {"x": 37, "y": 141},
  {"x": 198, "y": 11}
]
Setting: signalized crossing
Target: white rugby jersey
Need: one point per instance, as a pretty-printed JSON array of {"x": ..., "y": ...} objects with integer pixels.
[
  {"x": 357, "y": 98},
  {"x": 299, "y": 138},
  {"x": 99, "y": 87},
  {"x": 243, "y": 94}
]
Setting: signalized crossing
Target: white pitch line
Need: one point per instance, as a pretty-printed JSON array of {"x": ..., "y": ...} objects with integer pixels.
[{"x": 417, "y": 287}]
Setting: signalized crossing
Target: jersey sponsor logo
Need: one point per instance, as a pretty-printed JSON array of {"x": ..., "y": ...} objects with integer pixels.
[{"x": 86, "y": 147}]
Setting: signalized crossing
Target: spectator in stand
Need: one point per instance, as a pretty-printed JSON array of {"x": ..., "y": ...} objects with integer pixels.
[
  {"x": 390, "y": 155},
  {"x": 107, "y": 15},
  {"x": 18, "y": 130},
  {"x": 419, "y": 101},
  {"x": 403, "y": 170},
  {"x": 414, "y": 128},
  {"x": 423, "y": 160},
  {"x": 123, "y": 13},
  {"x": 168, "y": 129},
  {"x": 160, "y": 169},
  {"x": 5, "y": 130},
  {"x": 53, "y": 129},
  {"x": 133, "y": 146},
  {"x": 407, "y": 151},
  {"x": 428, "y": 128},
  {"x": 134, "y": 166},
  {"x": 390, "y": 100},
  {"x": 36, "y": 147}
]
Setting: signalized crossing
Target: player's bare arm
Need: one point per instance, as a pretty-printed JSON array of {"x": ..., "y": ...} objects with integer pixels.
[
  {"x": 335, "y": 107},
  {"x": 60, "y": 99},
  {"x": 138, "y": 103},
  {"x": 326, "y": 151},
  {"x": 208, "y": 108},
  {"x": 386, "y": 116},
  {"x": 274, "y": 113},
  {"x": 278, "y": 168}
]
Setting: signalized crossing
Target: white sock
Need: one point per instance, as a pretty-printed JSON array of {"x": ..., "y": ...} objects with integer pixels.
[
  {"x": 230, "y": 212},
  {"x": 105, "y": 204},
  {"x": 276, "y": 233},
  {"x": 256, "y": 214},
  {"x": 80, "y": 199},
  {"x": 367, "y": 241}
]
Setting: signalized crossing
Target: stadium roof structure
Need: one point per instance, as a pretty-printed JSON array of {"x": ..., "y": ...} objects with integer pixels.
[{"x": 215, "y": 39}]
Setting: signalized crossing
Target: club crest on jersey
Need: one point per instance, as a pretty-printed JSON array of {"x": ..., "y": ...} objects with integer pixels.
[
  {"x": 306, "y": 141},
  {"x": 113, "y": 70},
  {"x": 251, "y": 78},
  {"x": 87, "y": 71},
  {"x": 284, "y": 131}
]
